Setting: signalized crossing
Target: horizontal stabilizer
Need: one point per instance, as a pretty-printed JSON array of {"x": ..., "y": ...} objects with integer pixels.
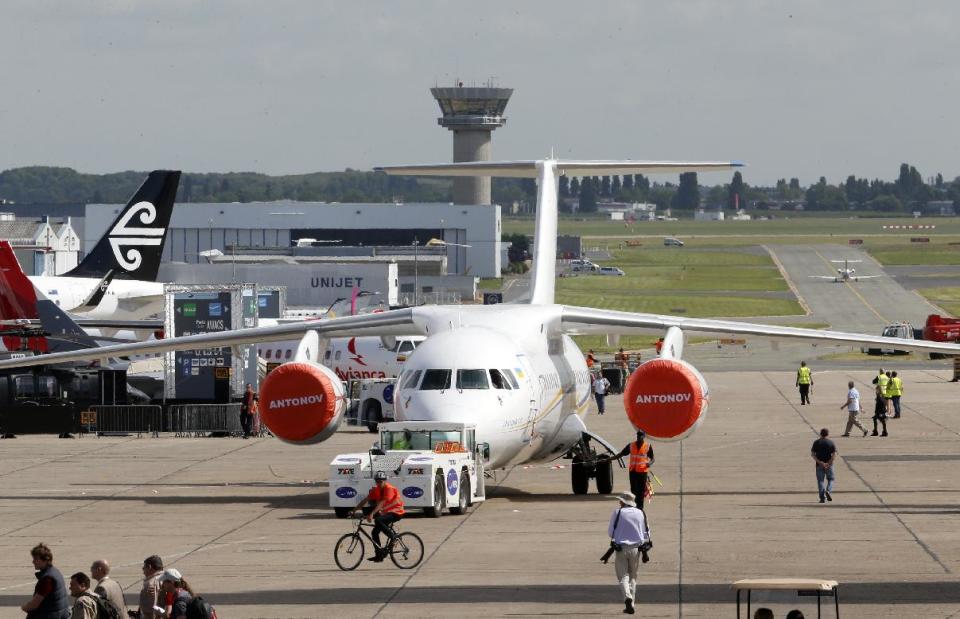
[{"x": 528, "y": 169}]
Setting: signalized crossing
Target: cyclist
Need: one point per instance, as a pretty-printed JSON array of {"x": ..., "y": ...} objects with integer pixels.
[{"x": 386, "y": 507}]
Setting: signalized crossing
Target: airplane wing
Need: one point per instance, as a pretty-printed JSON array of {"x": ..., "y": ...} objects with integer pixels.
[
  {"x": 589, "y": 321},
  {"x": 866, "y": 276},
  {"x": 830, "y": 277},
  {"x": 389, "y": 323}
]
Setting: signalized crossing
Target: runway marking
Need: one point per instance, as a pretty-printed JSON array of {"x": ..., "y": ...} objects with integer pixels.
[
  {"x": 872, "y": 490},
  {"x": 786, "y": 278},
  {"x": 855, "y": 291}
]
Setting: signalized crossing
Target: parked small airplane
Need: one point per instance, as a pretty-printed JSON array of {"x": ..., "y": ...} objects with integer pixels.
[
  {"x": 845, "y": 274},
  {"x": 118, "y": 279}
]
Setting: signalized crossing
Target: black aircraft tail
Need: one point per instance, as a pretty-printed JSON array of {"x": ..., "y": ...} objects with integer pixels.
[{"x": 133, "y": 245}]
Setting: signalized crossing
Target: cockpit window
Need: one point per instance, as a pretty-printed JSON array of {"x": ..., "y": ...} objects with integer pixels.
[
  {"x": 511, "y": 378},
  {"x": 472, "y": 379},
  {"x": 498, "y": 380},
  {"x": 436, "y": 380},
  {"x": 410, "y": 379}
]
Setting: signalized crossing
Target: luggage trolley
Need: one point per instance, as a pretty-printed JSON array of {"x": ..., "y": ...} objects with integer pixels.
[{"x": 803, "y": 586}]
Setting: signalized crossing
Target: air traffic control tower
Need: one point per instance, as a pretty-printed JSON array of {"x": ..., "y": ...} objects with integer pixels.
[{"x": 472, "y": 114}]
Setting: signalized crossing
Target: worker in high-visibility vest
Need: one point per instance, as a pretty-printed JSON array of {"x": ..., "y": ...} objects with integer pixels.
[
  {"x": 804, "y": 382},
  {"x": 641, "y": 459},
  {"x": 386, "y": 508},
  {"x": 894, "y": 391},
  {"x": 880, "y": 406}
]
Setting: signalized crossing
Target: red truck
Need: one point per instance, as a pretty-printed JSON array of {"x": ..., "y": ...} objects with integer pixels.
[{"x": 937, "y": 329}]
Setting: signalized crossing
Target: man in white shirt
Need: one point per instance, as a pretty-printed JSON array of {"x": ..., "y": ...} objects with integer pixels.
[
  {"x": 628, "y": 530},
  {"x": 853, "y": 409},
  {"x": 600, "y": 388}
]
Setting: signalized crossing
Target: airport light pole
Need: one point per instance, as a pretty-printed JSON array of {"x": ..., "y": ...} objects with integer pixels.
[{"x": 416, "y": 273}]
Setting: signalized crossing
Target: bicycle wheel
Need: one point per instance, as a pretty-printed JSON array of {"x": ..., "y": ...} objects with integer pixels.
[
  {"x": 407, "y": 551},
  {"x": 348, "y": 553}
]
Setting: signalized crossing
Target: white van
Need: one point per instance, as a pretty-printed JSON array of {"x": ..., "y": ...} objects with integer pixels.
[
  {"x": 670, "y": 241},
  {"x": 611, "y": 271}
]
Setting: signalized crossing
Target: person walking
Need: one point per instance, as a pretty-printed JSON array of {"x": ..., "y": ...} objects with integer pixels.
[
  {"x": 600, "y": 388},
  {"x": 85, "y": 600},
  {"x": 853, "y": 409},
  {"x": 621, "y": 359},
  {"x": 591, "y": 359},
  {"x": 804, "y": 383},
  {"x": 49, "y": 599},
  {"x": 894, "y": 391},
  {"x": 107, "y": 587},
  {"x": 246, "y": 410},
  {"x": 823, "y": 453},
  {"x": 150, "y": 591},
  {"x": 628, "y": 531},
  {"x": 177, "y": 591},
  {"x": 880, "y": 405},
  {"x": 641, "y": 459}
]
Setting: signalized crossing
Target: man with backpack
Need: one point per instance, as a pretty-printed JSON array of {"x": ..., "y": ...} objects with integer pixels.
[
  {"x": 107, "y": 587},
  {"x": 85, "y": 605}
]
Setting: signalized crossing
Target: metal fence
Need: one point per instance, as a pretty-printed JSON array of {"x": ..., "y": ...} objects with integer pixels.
[
  {"x": 199, "y": 419},
  {"x": 126, "y": 419}
]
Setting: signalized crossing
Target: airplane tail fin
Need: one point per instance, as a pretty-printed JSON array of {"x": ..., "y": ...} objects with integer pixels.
[
  {"x": 133, "y": 246},
  {"x": 19, "y": 300},
  {"x": 548, "y": 173}
]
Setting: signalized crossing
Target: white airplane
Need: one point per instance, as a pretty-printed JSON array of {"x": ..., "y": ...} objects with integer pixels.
[
  {"x": 846, "y": 273},
  {"x": 117, "y": 280},
  {"x": 351, "y": 358},
  {"x": 512, "y": 369}
]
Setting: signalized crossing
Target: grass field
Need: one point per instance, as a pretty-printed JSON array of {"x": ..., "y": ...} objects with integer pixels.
[{"x": 947, "y": 298}]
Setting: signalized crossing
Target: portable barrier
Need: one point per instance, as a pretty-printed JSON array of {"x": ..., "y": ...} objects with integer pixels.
[
  {"x": 200, "y": 419},
  {"x": 126, "y": 419}
]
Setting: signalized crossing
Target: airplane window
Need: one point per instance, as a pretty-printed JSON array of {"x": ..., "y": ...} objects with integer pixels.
[
  {"x": 287, "y": 353},
  {"x": 278, "y": 353},
  {"x": 410, "y": 379},
  {"x": 472, "y": 379},
  {"x": 436, "y": 380},
  {"x": 326, "y": 356},
  {"x": 269, "y": 354},
  {"x": 46, "y": 387},
  {"x": 511, "y": 378},
  {"x": 336, "y": 357},
  {"x": 406, "y": 346},
  {"x": 23, "y": 386},
  {"x": 498, "y": 380}
]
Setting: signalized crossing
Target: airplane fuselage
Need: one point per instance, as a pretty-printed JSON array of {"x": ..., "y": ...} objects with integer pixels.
[
  {"x": 505, "y": 369},
  {"x": 124, "y": 299}
]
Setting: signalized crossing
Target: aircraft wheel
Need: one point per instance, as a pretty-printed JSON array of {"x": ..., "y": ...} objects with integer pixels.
[
  {"x": 604, "y": 474},
  {"x": 579, "y": 478}
]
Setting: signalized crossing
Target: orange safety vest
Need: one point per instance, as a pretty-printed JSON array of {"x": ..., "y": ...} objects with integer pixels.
[
  {"x": 639, "y": 461},
  {"x": 392, "y": 503}
]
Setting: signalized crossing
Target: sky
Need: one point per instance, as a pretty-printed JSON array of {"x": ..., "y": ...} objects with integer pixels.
[{"x": 808, "y": 88}]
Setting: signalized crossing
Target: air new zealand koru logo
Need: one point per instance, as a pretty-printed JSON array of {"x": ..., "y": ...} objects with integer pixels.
[{"x": 131, "y": 237}]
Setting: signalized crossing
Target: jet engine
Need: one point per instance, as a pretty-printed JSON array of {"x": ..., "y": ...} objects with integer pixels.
[
  {"x": 302, "y": 402},
  {"x": 666, "y": 398}
]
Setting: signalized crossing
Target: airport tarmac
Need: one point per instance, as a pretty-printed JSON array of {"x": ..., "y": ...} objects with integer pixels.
[{"x": 246, "y": 521}]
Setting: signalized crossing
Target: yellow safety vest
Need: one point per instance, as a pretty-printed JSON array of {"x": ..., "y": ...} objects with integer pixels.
[
  {"x": 803, "y": 376},
  {"x": 895, "y": 387},
  {"x": 882, "y": 381},
  {"x": 639, "y": 461}
]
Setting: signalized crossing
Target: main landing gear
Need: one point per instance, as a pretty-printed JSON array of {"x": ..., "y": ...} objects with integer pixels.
[{"x": 587, "y": 465}]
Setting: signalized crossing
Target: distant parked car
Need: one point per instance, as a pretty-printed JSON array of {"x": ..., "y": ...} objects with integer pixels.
[
  {"x": 582, "y": 265},
  {"x": 670, "y": 241},
  {"x": 611, "y": 271}
]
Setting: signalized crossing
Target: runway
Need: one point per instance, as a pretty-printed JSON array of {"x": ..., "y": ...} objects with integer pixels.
[{"x": 246, "y": 521}]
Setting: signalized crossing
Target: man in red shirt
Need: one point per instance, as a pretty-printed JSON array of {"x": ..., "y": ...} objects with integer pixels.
[{"x": 386, "y": 508}]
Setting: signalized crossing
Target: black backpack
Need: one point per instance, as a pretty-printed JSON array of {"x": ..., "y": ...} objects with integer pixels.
[
  {"x": 105, "y": 608},
  {"x": 199, "y": 608}
]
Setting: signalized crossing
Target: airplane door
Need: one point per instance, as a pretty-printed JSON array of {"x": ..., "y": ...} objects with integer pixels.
[{"x": 533, "y": 388}]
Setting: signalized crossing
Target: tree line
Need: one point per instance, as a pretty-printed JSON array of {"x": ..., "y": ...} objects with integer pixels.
[{"x": 54, "y": 185}]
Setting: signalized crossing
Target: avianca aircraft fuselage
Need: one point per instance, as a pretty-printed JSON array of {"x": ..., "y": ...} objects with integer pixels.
[{"x": 352, "y": 358}]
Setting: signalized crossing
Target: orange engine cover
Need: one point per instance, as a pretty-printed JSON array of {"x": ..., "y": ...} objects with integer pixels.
[
  {"x": 666, "y": 398},
  {"x": 302, "y": 402}
]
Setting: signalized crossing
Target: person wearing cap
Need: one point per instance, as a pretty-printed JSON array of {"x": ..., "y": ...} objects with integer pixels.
[
  {"x": 628, "y": 530},
  {"x": 150, "y": 591},
  {"x": 641, "y": 459},
  {"x": 175, "y": 588},
  {"x": 387, "y": 508}
]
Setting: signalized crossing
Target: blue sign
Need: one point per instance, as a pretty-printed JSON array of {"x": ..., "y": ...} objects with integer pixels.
[
  {"x": 388, "y": 394},
  {"x": 453, "y": 480},
  {"x": 412, "y": 492},
  {"x": 216, "y": 309},
  {"x": 346, "y": 492}
]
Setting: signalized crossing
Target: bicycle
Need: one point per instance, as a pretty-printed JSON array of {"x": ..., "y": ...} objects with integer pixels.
[{"x": 405, "y": 549}]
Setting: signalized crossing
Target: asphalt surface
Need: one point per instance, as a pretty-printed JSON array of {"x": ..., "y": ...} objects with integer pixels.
[{"x": 246, "y": 521}]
